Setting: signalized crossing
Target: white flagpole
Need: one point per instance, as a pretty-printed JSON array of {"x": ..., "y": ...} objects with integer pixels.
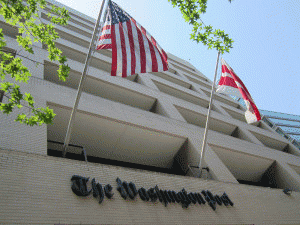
[
  {"x": 208, "y": 117},
  {"x": 83, "y": 76}
]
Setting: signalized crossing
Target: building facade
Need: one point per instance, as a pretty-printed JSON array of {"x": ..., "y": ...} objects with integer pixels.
[
  {"x": 287, "y": 125},
  {"x": 142, "y": 136}
]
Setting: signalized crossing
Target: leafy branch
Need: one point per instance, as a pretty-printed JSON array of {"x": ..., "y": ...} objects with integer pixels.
[
  {"x": 213, "y": 38},
  {"x": 25, "y": 16}
]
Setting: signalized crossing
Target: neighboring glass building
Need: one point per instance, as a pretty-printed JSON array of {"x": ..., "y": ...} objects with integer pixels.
[{"x": 287, "y": 125}]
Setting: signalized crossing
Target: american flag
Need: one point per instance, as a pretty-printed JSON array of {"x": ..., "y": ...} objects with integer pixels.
[
  {"x": 231, "y": 84},
  {"x": 134, "y": 50}
]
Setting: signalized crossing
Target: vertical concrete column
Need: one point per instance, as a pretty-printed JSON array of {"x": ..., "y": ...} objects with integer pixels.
[
  {"x": 145, "y": 79},
  {"x": 181, "y": 75},
  {"x": 293, "y": 150},
  {"x": 166, "y": 108},
  {"x": 247, "y": 135},
  {"x": 266, "y": 126},
  {"x": 217, "y": 168},
  {"x": 286, "y": 177},
  {"x": 220, "y": 109},
  {"x": 187, "y": 158},
  {"x": 197, "y": 88}
]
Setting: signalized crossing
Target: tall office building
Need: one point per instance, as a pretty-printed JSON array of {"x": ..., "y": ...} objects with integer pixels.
[
  {"x": 286, "y": 124},
  {"x": 142, "y": 137}
]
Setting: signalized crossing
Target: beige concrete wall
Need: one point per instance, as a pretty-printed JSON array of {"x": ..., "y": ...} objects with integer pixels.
[
  {"x": 14, "y": 135},
  {"x": 36, "y": 189}
]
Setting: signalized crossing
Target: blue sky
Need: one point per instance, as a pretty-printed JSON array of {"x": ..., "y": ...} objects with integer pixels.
[{"x": 266, "y": 46}]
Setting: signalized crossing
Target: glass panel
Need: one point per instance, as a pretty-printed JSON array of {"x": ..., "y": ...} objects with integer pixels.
[
  {"x": 268, "y": 121},
  {"x": 296, "y": 143},
  {"x": 280, "y": 131},
  {"x": 280, "y": 115}
]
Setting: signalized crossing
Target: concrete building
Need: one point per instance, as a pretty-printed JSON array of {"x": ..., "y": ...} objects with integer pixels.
[{"x": 146, "y": 130}]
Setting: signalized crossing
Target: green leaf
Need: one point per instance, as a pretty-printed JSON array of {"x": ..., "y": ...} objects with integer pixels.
[
  {"x": 25, "y": 17},
  {"x": 191, "y": 11}
]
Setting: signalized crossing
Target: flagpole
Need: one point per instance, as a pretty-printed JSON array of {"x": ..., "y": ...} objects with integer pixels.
[
  {"x": 208, "y": 118},
  {"x": 83, "y": 76}
]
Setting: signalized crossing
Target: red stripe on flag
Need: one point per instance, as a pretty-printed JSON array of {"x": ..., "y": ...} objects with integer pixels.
[
  {"x": 105, "y": 36},
  {"x": 225, "y": 69},
  {"x": 106, "y": 27},
  {"x": 131, "y": 43},
  {"x": 243, "y": 90},
  {"x": 152, "y": 51},
  {"x": 228, "y": 81},
  {"x": 245, "y": 95},
  {"x": 114, "y": 52},
  {"x": 163, "y": 58},
  {"x": 255, "y": 109},
  {"x": 106, "y": 46},
  {"x": 235, "y": 77},
  {"x": 123, "y": 48},
  {"x": 142, "y": 48}
]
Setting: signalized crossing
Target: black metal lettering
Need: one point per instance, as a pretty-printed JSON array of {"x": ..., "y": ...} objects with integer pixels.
[
  {"x": 152, "y": 194},
  {"x": 206, "y": 196},
  {"x": 210, "y": 201},
  {"x": 175, "y": 196},
  {"x": 101, "y": 194},
  {"x": 133, "y": 188},
  {"x": 218, "y": 199},
  {"x": 210, "y": 195},
  {"x": 228, "y": 199},
  {"x": 128, "y": 190},
  {"x": 121, "y": 189},
  {"x": 192, "y": 198},
  {"x": 143, "y": 194},
  {"x": 212, "y": 204},
  {"x": 158, "y": 194},
  {"x": 184, "y": 193},
  {"x": 171, "y": 196},
  {"x": 165, "y": 200},
  {"x": 97, "y": 190},
  {"x": 168, "y": 198},
  {"x": 107, "y": 190},
  {"x": 178, "y": 197},
  {"x": 199, "y": 198},
  {"x": 94, "y": 187},
  {"x": 185, "y": 200},
  {"x": 224, "y": 200},
  {"x": 79, "y": 185}
]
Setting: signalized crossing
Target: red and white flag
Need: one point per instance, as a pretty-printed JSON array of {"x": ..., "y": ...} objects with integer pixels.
[
  {"x": 134, "y": 50},
  {"x": 231, "y": 84}
]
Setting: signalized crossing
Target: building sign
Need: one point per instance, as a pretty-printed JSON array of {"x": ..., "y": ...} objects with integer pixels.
[{"x": 129, "y": 191}]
